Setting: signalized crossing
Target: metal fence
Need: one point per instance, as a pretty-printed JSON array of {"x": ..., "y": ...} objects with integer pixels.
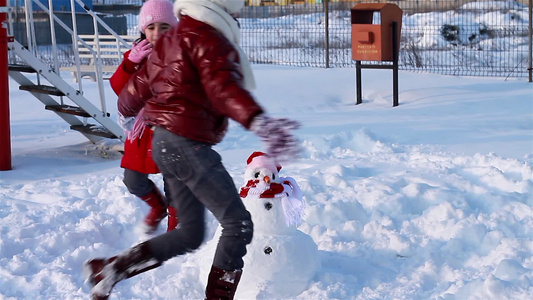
[
  {"x": 459, "y": 37},
  {"x": 482, "y": 38}
]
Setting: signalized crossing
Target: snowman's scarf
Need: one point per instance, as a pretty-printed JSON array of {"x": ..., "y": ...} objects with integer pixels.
[
  {"x": 293, "y": 204},
  {"x": 262, "y": 190},
  {"x": 289, "y": 192}
]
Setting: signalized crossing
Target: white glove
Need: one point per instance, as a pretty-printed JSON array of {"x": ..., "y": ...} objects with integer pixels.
[
  {"x": 126, "y": 122},
  {"x": 276, "y": 134}
]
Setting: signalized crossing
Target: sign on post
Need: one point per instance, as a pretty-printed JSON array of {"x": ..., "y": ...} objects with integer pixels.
[{"x": 376, "y": 37}]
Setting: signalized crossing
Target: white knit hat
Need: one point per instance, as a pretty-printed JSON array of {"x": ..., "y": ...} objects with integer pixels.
[{"x": 231, "y": 6}]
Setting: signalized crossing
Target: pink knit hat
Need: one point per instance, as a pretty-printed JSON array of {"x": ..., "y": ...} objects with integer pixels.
[{"x": 154, "y": 11}]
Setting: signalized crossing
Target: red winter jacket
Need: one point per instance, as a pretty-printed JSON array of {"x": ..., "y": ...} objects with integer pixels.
[
  {"x": 137, "y": 152},
  {"x": 191, "y": 84},
  {"x": 123, "y": 73}
]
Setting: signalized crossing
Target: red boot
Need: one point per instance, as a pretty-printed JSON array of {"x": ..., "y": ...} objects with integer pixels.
[
  {"x": 103, "y": 273},
  {"x": 172, "y": 218},
  {"x": 221, "y": 284},
  {"x": 157, "y": 202}
]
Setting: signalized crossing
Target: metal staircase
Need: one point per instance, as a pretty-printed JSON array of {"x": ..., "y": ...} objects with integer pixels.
[{"x": 43, "y": 80}]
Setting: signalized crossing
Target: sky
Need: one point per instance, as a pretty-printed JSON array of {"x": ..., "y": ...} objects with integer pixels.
[{"x": 431, "y": 199}]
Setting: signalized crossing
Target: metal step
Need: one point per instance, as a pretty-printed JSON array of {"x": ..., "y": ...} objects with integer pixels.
[
  {"x": 68, "y": 109},
  {"x": 94, "y": 130},
  {"x": 57, "y": 86},
  {"x": 44, "y": 89},
  {"x": 21, "y": 68}
]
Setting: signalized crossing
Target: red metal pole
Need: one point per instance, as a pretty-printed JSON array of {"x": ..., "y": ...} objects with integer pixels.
[{"x": 5, "y": 135}]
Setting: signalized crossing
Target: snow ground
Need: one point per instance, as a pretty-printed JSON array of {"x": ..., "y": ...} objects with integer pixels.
[{"x": 428, "y": 200}]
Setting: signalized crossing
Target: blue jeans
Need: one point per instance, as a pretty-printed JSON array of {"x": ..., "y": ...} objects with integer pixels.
[
  {"x": 138, "y": 183},
  {"x": 196, "y": 180}
]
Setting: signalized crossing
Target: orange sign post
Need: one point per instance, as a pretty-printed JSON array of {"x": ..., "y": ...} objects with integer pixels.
[{"x": 376, "y": 37}]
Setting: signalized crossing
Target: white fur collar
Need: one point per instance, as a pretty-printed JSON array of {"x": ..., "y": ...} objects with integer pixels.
[{"x": 214, "y": 15}]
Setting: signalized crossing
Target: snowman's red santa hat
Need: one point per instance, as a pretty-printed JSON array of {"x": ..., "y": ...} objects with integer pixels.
[{"x": 259, "y": 159}]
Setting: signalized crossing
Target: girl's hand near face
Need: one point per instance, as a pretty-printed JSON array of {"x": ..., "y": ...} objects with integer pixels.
[{"x": 140, "y": 51}]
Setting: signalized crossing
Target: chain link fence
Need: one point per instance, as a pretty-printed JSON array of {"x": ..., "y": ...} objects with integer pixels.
[
  {"x": 481, "y": 38},
  {"x": 458, "y": 37}
]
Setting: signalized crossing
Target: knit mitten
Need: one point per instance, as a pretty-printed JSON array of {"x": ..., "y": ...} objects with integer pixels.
[
  {"x": 277, "y": 136},
  {"x": 140, "y": 51}
]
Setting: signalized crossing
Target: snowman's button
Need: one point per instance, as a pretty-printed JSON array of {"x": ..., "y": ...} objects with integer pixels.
[
  {"x": 267, "y": 250},
  {"x": 268, "y": 206}
]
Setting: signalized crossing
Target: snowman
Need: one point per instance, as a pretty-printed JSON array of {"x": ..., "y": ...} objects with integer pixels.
[
  {"x": 275, "y": 203},
  {"x": 281, "y": 260}
]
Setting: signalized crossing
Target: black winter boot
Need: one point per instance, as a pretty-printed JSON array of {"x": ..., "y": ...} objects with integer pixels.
[
  {"x": 221, "y": 284},
  {"x": 103, "y": 273}
]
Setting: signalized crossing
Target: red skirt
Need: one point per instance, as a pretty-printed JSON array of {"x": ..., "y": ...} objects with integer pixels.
[{"x": 138, "y": 154}]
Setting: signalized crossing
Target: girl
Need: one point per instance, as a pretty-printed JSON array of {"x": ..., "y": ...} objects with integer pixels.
[
  {"x": 195, "y": 81},
  {"x": 155, "y": 18}
]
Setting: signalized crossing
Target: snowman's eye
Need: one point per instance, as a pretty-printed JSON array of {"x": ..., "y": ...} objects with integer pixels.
[
  {"x": 273, "y": 176},
  {"x": 256, "y": 175}
]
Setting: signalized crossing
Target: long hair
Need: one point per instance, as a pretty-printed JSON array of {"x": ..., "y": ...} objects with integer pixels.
[{"x": 141, "y": 38}]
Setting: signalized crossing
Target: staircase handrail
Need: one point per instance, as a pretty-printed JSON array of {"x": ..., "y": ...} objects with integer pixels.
[
  {"x": 101, "y": 22},
  {"x": 29, "y": 55},
  {"x": 76, "y": 39}
]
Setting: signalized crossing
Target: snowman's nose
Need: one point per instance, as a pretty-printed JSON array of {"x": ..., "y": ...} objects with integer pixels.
[{"x": 266, "y": 179}]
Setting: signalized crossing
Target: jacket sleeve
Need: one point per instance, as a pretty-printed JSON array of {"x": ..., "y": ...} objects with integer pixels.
[
  {"x": 123, "y": 73},
  {"x": 135, "y": 93},
  {"x": 217, "y": 62}
]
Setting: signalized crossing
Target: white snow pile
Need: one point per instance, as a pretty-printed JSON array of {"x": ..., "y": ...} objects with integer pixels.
[{"x": 428, "y": 200}]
